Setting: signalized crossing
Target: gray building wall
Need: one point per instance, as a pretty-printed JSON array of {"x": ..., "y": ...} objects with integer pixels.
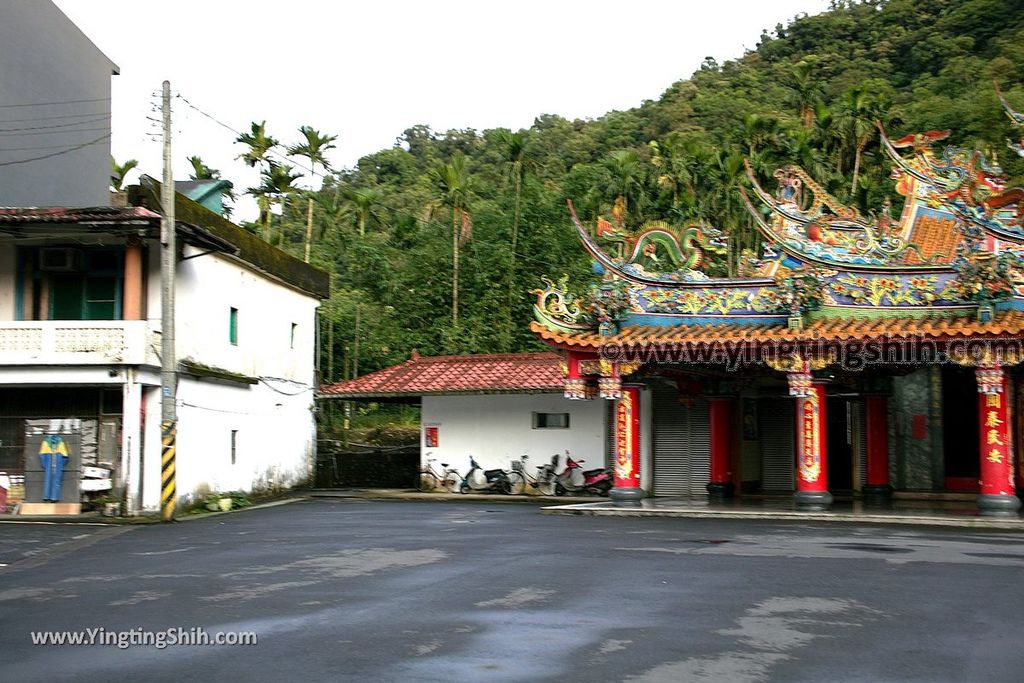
[{"x": 44, "y": 58}]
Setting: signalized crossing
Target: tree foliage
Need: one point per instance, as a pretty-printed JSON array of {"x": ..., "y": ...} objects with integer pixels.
[{"x": 808, "y": 94}]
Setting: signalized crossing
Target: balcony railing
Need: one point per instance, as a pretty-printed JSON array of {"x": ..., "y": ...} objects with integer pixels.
[{"x": 78, "y": 342}]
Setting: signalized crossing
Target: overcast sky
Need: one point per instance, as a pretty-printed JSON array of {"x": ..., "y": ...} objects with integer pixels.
[{"x": 368, "y": 70}]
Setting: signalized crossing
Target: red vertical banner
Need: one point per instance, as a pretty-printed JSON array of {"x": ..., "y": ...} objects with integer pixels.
[
  {"x": 627, "y": 439},
  {"x": 811, "y": 471},
  {"x": 994, "y": 444}
]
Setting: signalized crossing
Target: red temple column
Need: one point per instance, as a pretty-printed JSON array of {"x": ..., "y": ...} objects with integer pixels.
[
  {"x": 720, "y": 484},
  {"x": 997, "y": 493},
  {"x": 627, "y": 489},
  {"x": 812, "y": 456},
  {"x": 876, "y": 410}
]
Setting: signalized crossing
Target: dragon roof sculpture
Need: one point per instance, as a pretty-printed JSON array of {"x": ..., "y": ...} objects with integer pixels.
[{"x": 956, "y": 248}]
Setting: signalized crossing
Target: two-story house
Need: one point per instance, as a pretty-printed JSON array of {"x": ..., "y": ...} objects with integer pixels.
[{"x": 80, "y": 326}]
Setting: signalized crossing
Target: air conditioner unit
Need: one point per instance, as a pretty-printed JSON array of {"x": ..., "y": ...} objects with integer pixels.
[{"x": 60, "y": 259}]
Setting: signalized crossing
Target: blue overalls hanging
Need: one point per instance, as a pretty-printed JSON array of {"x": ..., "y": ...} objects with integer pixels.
[{"x": 53, "y": 456}]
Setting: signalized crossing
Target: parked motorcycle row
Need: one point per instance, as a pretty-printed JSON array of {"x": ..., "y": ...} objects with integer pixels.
[{"x": 548, "y": 480}]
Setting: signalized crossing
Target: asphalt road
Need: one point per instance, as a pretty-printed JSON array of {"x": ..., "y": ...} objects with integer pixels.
[{"x": 357, "y": 590}]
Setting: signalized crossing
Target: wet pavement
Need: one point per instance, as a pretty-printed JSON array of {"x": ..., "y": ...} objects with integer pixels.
[{"x": 364, "y": 590}]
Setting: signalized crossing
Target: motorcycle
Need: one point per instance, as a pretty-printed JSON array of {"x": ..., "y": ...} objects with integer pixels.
[
  {"x": 596, "y": 481},
  {"x": 484, "y": 481}
]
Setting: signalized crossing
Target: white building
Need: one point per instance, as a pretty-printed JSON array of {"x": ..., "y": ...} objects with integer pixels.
[
  {"x": 494, "y": 407},
  {"x": 80, "y": 316}
]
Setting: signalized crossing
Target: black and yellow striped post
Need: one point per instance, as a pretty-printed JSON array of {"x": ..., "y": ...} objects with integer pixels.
[{"x": 168, "y": 489}]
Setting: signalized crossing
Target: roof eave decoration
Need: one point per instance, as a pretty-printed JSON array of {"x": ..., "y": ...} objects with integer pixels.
[
  {"x": 964, "y": 183},
  {"x": 840, "y": 239}
]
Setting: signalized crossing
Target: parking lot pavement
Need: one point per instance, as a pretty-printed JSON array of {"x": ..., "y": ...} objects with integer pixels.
[{"x": 360, "y": 590}]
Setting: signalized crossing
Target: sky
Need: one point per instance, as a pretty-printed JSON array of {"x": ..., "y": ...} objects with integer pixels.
[{"x": 366, "y": 71}]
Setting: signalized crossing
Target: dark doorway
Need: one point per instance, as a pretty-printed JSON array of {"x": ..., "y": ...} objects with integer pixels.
[
  {"x": 840, "y": 446},
  {"x": 960, "y": 428}
]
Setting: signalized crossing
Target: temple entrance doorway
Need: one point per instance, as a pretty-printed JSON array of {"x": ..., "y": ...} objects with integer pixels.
[
  {"x": 960, "y": 428},
  {"x": 841, "y": 421}
]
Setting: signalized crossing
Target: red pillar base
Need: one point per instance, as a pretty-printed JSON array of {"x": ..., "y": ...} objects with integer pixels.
[
  {"x": 627, "y": 497},
  {"x": 812, "y": 501}
]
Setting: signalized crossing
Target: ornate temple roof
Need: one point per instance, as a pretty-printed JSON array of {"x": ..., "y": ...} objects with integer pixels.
[{"x": 952, "y": 258}]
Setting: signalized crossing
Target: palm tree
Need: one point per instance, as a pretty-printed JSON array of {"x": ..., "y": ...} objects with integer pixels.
[
  {"x": 860, "y": 111},
  {"x": 723, "y": 204},
  {"x": 454, "y": 188},
  {"x": 514, "y": 149},
  {"x": 627, "y": 178},
  {"x": 313, "y": 148},
  {"x": 365, "y": 203},
  {"x": 259, "y": 144},
  {"x": 277, "y": 183},
  {"x": 806, "y": 91},
  {"x": 118, "y": 172},
  {"x": 759, "y": 131},
  {"x": 201, "y": 171}
]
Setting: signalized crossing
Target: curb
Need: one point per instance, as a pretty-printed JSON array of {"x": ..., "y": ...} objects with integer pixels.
[{"x": 1008, "y": 524}]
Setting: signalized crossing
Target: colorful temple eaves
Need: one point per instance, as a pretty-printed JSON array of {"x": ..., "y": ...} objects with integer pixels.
[{"x": 943, "y": 280}]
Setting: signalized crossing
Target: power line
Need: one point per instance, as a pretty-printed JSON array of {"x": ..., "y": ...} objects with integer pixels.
[
  {"x": 33, "y": 148},
  {"x": 47, "y": 104},
  {"x": 56, "y": 154},
  {"x": 283, "y": 157},
  {"x": 54, "y": 118},
  {"x": 55, "y": 125},
  {"x": 54, "y": 132}
]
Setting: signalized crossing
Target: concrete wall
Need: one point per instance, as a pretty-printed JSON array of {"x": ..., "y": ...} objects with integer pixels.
[
  {"x": 274, "y": 418},
  {"x": 208, "y": 287},
  {"x": 495, "y": 429},
  {"x": 46, "y": 58}
]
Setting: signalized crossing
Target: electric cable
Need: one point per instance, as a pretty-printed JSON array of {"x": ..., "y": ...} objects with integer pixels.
[
  {"x": 48, "y": 104},
  {"x": 56, "y": 154}
]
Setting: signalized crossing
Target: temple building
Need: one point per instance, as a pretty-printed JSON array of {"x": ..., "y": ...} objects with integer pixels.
[{"x": 856, "y": 356}]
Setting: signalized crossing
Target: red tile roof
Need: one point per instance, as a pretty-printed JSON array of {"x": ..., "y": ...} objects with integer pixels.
[{"x": 502, "y": 373}]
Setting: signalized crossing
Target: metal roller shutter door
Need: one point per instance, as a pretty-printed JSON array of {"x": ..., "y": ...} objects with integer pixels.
[
  {"x": 777, "y": 424},
  {"x": 681, "y": 444}
]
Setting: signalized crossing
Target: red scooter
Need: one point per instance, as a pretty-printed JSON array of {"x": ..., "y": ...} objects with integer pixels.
[{"x": 597, "y": 481}]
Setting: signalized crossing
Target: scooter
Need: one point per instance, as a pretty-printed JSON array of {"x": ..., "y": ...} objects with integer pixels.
[
  {"x": 596, "y": 481},
  {"x": 484, "y": 481}
]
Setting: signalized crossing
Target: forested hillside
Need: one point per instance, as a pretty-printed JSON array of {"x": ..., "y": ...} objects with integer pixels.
[{"x": 808, "y": 94}]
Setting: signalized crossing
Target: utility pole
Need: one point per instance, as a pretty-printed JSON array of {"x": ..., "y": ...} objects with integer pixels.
[{"x": 168, "y": 361}]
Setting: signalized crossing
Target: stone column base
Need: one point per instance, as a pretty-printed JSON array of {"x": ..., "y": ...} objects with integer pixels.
[
  {"x": 876, "y": 492},
  {"x": 627, "y": 497},
  {"x": 998, "y": 505},
  {"x": 721, "y": 489},
  {"x": 812, "y": 501}
]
